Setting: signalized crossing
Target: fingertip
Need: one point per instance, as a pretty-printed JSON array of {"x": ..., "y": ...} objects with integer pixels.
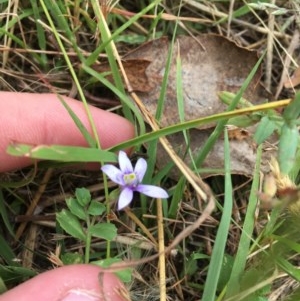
[{"x": 69, "y": 283}]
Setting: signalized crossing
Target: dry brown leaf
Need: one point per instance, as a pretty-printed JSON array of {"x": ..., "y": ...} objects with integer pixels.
[
  {"x": 294, "y": 80},
  {"x": 236, "y": 133},
  {"x": 210, "y": 64},
  {"x": 135, "y": 70}
]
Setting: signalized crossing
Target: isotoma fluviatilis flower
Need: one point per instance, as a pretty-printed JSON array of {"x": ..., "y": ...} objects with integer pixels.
[{"x": 130, "y": 179}]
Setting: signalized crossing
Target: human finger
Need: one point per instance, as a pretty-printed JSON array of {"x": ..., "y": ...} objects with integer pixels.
[
  {"x": 69, "y": 283},
  {"x": 41, "y": 119}
]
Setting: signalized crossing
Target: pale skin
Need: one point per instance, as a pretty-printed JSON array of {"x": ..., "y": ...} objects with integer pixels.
[{"x": 41, "y": 119}]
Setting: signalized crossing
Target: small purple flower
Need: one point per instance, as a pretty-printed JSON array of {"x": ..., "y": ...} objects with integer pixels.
[{"x": 130, "y": 179}]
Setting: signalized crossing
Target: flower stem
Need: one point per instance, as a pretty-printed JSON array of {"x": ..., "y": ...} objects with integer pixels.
[{"x": 87, "y": 242}]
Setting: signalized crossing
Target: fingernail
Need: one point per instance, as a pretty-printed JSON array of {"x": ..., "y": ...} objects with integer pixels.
[{"x": 81, "y": 295}]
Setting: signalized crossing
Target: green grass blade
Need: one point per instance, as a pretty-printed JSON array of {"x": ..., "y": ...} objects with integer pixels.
[
  {"x": 222, "y": 234},
  {"x": 196, "y": 123},
  {"x": 62, "y": 153},
  {"x": 40, "y": 33},
  {"x": 4, "y": 31},
  {"x": 177, "y": 197},
  {"x": 288, "y": 243},
  {"x": 122, "y": 96},
  {"x": 16, "y": 184},
  {"x": 109, "y": 48},
  {"x": 114, "y": 35},
  {"x": 290, "y": 269},
  {"x": 87, "y": 136},
  {"x": 59, "y": 13},
  {"x": 111, "y": 55},
  {"x": 152, "y": 148},
  {"x": 6, "y": 253},
  {"x": 64, "y": 25},
  {"x": 244, "y": 244},
  {"x": 5, "y": 218}
]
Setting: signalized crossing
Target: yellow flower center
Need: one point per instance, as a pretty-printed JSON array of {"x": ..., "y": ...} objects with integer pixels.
[{"x": 130, "y": 179}]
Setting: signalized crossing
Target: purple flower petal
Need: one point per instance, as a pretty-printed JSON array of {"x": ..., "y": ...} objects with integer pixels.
[
  {"x": 124, "y": 163},
  {"x": 113, "y": 173},
  {"x": 125, "y": 198},
  {"x": 140, "y": 169},
  {"x": 152, "y": 191}
]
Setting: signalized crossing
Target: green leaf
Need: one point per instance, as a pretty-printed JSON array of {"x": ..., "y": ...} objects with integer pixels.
[
  {"x": 125, "y": 275},
  {"x": 191, "y": 267},
  {"x": 244, "y": 121},
  {"x": 3, "y": 287},
  {"x": 83, "y": 196},
  {"x": 70, "y": 224},
  {"x": 196, "y": 256},
  {"x": 13, "y": 274},
  {"x": 288, "y": 243},
  {"x": 265, "y": 129},
  {"x": 96, "y": 208},
  {"x": 76, "y": 208},
  {"x": 61, "y": 153},
  {"x": 106, "y": 231},
  {"x": 72, "y": 258},
  {"x": 225, "y": 271},
  {"x": 287, "y": 147},
  {"x": 292, "y": 111},
  {"x": 254, "y": 278}
]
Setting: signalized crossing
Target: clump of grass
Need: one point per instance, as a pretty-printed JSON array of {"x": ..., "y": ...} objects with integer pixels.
[{"x": 247, "y": 255}]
